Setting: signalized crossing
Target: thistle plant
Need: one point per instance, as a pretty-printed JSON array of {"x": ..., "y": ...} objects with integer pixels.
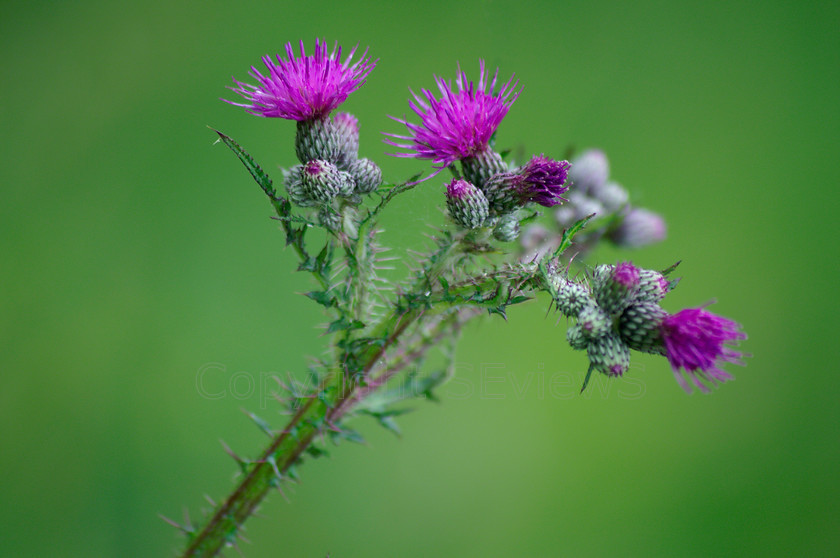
[{"x": 380, "y": 332}]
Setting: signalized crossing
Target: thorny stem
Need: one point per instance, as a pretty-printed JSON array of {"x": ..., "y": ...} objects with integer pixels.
[
  {"x": 276, "y": 460},
  {"x": 328, "y": 404}
]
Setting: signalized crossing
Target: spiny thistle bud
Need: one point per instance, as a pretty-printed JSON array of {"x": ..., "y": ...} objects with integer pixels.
[
  {"x": 639, "y": 227},
  {"x": 571, "y": 297},
  {"x": 347, "y": 127},
  {"x": 293, "y": 179},
  {"x": 589, "y": 171},
  {"x": 576, "y": 338},
  {"x": 322, "y": 181},
  {"x": 602, "y": 273},
  {"x": 615, "y": 291},
  {"x": 481, "y": 166},
  {"x": 612, "y": 195},
  {"x": 609, "y": 355},
  {"x": 367, "y": 175},
  {"x": 640, "y": 327},
  {"x": 500, "y": 190},
  {"x": 467, "y": 205},
  {"x": 347, "y": 184},
  {"x": 329, "y": 218},
  {"x": 507, "y": 229},
  {"x": 317, "y": 139},
  {"x": 653, "y": 286},
  {"x": 594, "y": 322}
]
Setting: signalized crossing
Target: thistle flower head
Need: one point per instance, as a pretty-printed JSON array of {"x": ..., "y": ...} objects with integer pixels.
[
  {"x": 543, "y": 181},
  {"x": 460, "y": 124},
  {"x": 304, "y": 88},
  {"x": 696, "y": 341}
]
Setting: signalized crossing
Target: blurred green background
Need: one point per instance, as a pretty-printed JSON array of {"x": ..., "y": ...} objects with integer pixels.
[{"x": 138, "y": 257}]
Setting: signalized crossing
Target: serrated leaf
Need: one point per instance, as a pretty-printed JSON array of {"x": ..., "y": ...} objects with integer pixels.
[
  {"x": 500, "y": 310},
  {"x": 262, "y": 179},
  {"x": 569, "y": 234},
  {"x": 670, "y": 269},
  {"x": 344, "y": 324},
  {"x": 347, "y": 434},
  {"x": 324, "y": 257},
  {"x": 389, "y": 423},
  {"x": 518, "y": 300}
]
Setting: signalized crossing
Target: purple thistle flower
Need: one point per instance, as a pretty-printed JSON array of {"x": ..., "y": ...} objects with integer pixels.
[
  {"x": 542, "y": 181},
  {"x": 460, "y": 124},
  {"x": 305, "y": 88},
  {"x": 695, "y": 340},
  {"x": 639, "y": 227}
]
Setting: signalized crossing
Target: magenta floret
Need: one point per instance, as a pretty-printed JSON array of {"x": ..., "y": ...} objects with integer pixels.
[
  {"x": 304, "y": 88},
  {"x": 696, "y": 341},
  {"x": 459, "y": 124}
]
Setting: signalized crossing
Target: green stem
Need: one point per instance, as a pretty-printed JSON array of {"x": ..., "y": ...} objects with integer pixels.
[
  {"x": 276, "y": 460},
  {"x": 326, "y": 405}
]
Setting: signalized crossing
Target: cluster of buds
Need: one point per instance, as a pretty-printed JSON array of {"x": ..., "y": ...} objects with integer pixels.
[
  {"x": 498, "y": 198},
  {"x": 459, "y": 127},
  {"x": 595, "y": 193},
  {"x": 328, "y": 150},
  {"x": 307, "y": 89},
  {"x": 619, "y": 311}
]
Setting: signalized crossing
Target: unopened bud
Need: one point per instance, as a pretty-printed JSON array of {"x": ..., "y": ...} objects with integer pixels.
[
  {"x": 322, "y": 181},
  {"x": 317, "y": 139},
  {"x": 500, "y": 191},
  {"x": 467, "y": 205},
  {"x": 609, "y": 355},
  {"x": 589, "y": 171},
  {"x": 594, "y": 322},
  {"x": 576, "y": 338},
  {"x": 571, "y": 297},
  {"x": 507, "y": 229},
  {"x": 640, "y": 227},
  {"x": 640, "y": 327},
  {"x": 481, "y": 166},
  {"x": 347, "y": 128},
  {"x": 614, "y": 291},
  {"x": 612, "y": 196},
  {"x": 367, "y": 175},
  {"x": 653, "y": 286},
  {"x": 293, "y": 179},
  {"x": 329, "y": 218},
  {"x": 585, "y": 206}
]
